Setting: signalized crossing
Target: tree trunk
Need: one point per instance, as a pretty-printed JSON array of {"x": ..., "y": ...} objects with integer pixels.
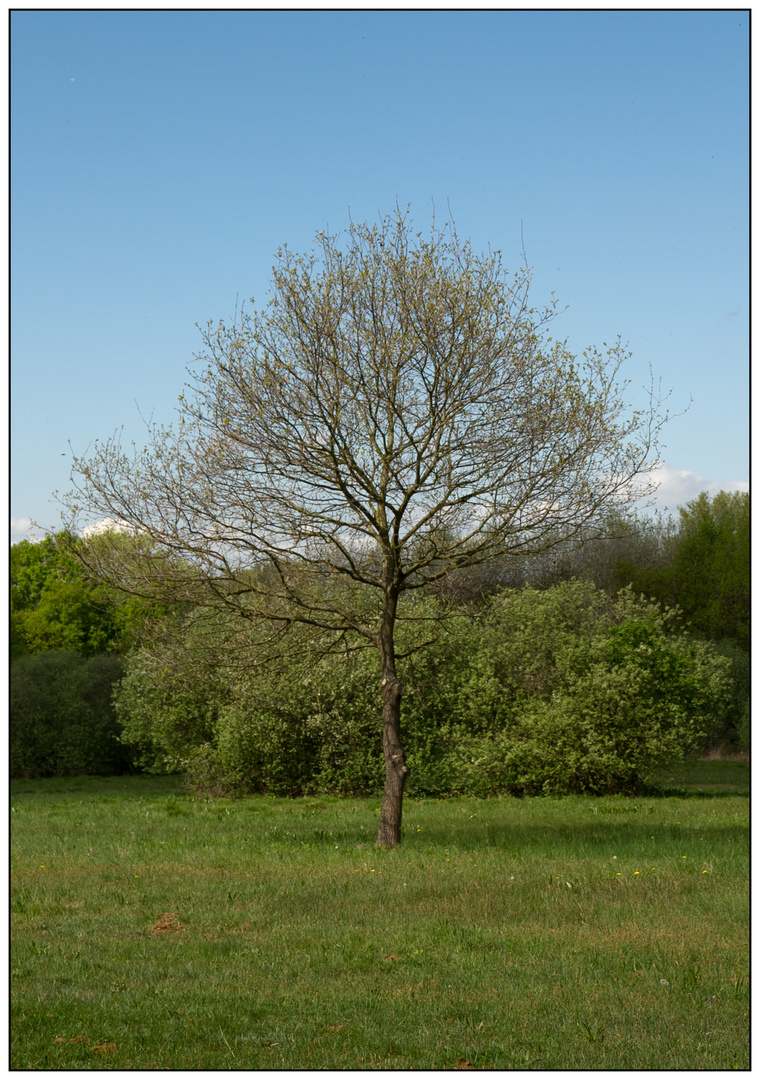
[{"x": 389, "y": 833}]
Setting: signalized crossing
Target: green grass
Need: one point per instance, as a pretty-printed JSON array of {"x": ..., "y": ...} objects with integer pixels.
[{"x": 573, "y": 933}]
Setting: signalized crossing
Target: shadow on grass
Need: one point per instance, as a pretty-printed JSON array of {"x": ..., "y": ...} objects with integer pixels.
[
  {"x": 139, "y": 786},
  {"x": 705, "y": 779},
  {"x": 697, "y": 779},
  {"x": 690, "y": 793}
]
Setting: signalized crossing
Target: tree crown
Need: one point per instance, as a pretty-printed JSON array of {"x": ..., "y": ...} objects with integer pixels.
[{"x": 396, "y": 411}]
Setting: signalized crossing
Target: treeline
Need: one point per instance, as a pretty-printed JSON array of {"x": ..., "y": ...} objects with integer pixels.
[
  {"x": 70, "y": 639},
  {"x": 582, "y": 671}
]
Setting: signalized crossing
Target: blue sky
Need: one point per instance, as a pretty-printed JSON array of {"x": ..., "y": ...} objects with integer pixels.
[{"x": 158, "y": 159}]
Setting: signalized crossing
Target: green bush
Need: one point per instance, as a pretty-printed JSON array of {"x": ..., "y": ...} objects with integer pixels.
[
  {"x": 168, "y": 704},
  {"x": 62, "y": 720},
  {"x": 594, "y": 694},
  {"x": 556, "y": 691},
  {"x": 313, "y": 724},
  {"x": 568, "y": 690}
]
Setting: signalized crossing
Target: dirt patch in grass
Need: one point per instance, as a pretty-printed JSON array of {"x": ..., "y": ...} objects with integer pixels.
[{"x": 167, "y": 923}]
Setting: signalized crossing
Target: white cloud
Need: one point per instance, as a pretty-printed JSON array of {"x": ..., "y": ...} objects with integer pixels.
[
  {"x": 109, "y": 524},
  {"x": 676, "y": 487},
  {"x": 24, "y": 529}
]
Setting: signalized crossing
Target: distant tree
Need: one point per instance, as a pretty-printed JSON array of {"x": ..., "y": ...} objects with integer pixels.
[
  {"x": 52, "y": 606},
  {"x": 396, "y": 413},
  {"x": 601, "y": 554},
  {"x": 711, "y": 565},
  {"x": 620, "y": 548},
  {"x": 704, "y": 567},
  {"x": 55, "y": 605}
]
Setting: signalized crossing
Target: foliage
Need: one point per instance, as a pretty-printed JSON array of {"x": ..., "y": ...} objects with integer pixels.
[
  {"x": 197, "y": 705},
  {"x": 711, "y": 566},
  {"x": 52, "y": 606},
  {"x": 621, "y": 541},
  {"x": 558, "y": 690},
  {"x": 706, "y": 568},
  {"x": 62, "y": 721},
  {"x": 56, "y": 605},
  {"x": 569, "y": 690},
  {"x": 744, "y": 728},
  {"x": 169, "y": 699},
  {"x": 734, "y": 729}
]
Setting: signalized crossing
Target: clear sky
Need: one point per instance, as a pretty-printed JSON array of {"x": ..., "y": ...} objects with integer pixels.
[{"x": 158, "y": 159}]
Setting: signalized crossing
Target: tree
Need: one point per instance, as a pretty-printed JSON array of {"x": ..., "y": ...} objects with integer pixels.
[
  {"x": 395, "y": 413},
  {"x": 711, "y": 565},
  {"x": 55, "y": 606},
  {"x": 52, "y": 605},
  {"x": 609, "y": 553},
  {"x": 703, "y": 566}
]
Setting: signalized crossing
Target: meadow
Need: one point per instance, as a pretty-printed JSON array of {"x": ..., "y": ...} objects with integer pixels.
[{"x": 152, "y": 929}]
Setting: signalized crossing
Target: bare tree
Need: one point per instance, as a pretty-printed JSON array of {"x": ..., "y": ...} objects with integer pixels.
[{"x": 396, "y": 412}]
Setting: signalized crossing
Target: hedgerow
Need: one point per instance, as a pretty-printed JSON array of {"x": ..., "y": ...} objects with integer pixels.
[{"x": 554, "y": 691}]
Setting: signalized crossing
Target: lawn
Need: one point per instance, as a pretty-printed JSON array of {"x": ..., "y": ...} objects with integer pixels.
[{"x": 153, "y": 930}]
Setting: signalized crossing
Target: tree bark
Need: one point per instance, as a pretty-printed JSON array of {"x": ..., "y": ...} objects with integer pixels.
[{"x": 389, "y": 833}]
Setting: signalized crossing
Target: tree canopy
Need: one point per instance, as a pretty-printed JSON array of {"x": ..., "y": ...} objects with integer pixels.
[
  {"x": 396, "y": 412},
  {"x": 56, "y": 605},
  {"x": 705, "y": 566}
]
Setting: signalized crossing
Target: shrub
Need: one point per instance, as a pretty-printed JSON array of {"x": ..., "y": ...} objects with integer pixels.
[
  {"x": 311, "y": 724},
  {"x": 556, "y": 691},
  {"x": 595, "y": 694},
  {"x": 168, "y": 705},
  {"x": 62, "y": 721}
]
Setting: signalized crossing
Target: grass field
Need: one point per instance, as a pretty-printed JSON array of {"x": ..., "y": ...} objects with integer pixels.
[{"x": 154, "y": 930}]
